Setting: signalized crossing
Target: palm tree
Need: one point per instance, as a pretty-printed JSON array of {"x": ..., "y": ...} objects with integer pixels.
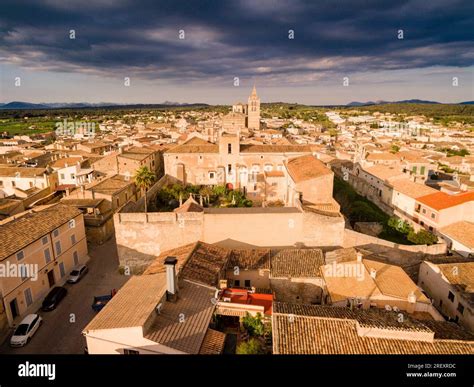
[{"x": 144, "y": 179}]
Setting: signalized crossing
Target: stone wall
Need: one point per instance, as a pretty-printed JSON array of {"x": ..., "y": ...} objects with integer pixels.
[
  {"x": 297, "y": 290},
  {"x": 141, "y": 237},
  {"x": 354, "y": 239}
]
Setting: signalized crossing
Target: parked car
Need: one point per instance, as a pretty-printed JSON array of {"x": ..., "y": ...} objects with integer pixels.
[
  {"x": 77, "y": 274},
  {"x": 25, "y": 331},
  {"x": 53, "y": 298}
]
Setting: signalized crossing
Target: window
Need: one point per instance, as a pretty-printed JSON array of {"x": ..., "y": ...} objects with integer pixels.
[
  {"x": 73, "y": 176},
  {"x": 62, "y": 271},
  {"x": 414, "y": 170},
  {"x": 28, "y": 297},
  {"x": 13, "y": 184},
  {"x": 229, "y": 148},
  {"x": 44, "y": 240},
  {"x": 237, "y": 283},
  {"x": 23, "y": 272},
  {"x": 130, "y": 352},
  {"x": 47, "y": 256},
  {"x": 1, "y": 183},
  {"x": 212, "y": 175},
  {"x": 75, "y": 258},
  {"x": 229, "y": 168},
  {"x": 460, "y": 308},
  {"x": 20, "y": 255},
  {"x": 247, "y": 283},
  {"x": 430, "y": 228},
  {"x": 62, "y": 176},
  {"x": 433, "y": 215},
  {"x": 58, "y": 247},
  {"x": 268, "y": 167},
  {"x": 73, "y": 239},
  {"x": 31, "y": 184},
  {"x": 424, "y": 211},
  {"x": 422, "y": 170},
  {"x": 451, "y": 296},
  {"x": 56, "y": 232},
  {"x": 274, "y": 184},
  {"x": 72, "y": 223}
]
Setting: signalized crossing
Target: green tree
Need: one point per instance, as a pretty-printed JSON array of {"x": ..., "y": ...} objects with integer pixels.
[
  {"x": 399, "y": 225},
  {"x": 422, "y": 237},
  {"x": 251, "y": 347},
  {"x": 144, "y": 179},
  {"x": 394, "y": 149},
  {"x": 253, "y": 325}
]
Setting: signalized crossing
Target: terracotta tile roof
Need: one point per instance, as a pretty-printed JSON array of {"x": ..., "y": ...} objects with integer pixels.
[
  {"x": 445, "y": 330},
  {"x": 69, "y": 161},
  {"x": 133, "y": 156},
  {"x": 23, "y": 172},
  {"x": 250, "y": 148},
  {"x": 82, "y": 202},
  {"x": 250, "y": 259},
  {"x": 461, "y": 274},
  {"x": 411, "y": 189},
  {"x": 133, "y": 303},
  {"x": 190, "y": 205},
  {"x": 296, "y": 263},
  {"x": 354, "y": 280},
  {"x": 306, "y": 168},
  {"x": 384, "y": 172},
  {"x": 441, "y": 200},
  {"x": 392, "y": 281},
  {"x": 462, "y": 232},
  {"x": 206, "y": 264},
  {"x": 112, "y": 184},
  {"x": 382, "y": 156},
  {"x": 274, "y": 174},
  {"x": 20, "y": 232},
  {"x": 183, "y": 325},
  {"x": 354, "y": 283},
  {"x": 213, "y": 343},
  {"x": 367, "y": 318},
  {"x": 195, "y": 145},
  {"x": 181, "y": 253},
  {"x": 318, "y": 332}
]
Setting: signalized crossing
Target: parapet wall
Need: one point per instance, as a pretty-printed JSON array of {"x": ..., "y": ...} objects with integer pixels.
[
  {"x": 354, "y": 239},
  {"x": 142, "y": 237}
]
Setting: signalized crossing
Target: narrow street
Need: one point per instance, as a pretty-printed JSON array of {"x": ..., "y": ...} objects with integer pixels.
[{"x": 61, "y": 329}]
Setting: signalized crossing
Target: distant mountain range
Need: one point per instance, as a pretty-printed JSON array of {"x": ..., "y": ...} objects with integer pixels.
[
  {"x": 356, "y": 103},
  {"x": 20, "y": 105}
]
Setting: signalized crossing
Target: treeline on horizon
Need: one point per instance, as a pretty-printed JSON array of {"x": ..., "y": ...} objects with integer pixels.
[{"x": 440, "y": 113}]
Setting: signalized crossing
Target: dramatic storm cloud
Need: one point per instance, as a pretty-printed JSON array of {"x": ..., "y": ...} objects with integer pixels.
[{"x": 248, "y": 39}]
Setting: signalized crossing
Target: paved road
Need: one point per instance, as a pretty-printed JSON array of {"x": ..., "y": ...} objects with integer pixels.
[{"x": 59, "y": 333}]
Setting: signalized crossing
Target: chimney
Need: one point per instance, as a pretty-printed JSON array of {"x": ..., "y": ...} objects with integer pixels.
[
  {"x": 171, "y": 280},
  {"x": 373, "y": 273},
  {"x": 359, "y": 256}
]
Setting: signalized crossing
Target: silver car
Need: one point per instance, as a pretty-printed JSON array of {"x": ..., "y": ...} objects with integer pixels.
[
  {"x": 25, "y": 331},
  {"x": 76, "y": 275}
]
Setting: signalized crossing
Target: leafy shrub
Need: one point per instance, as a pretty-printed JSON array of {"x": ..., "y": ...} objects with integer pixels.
[
  {"x": 251, "y": 347},
  {"x": 422, "y": 237},
  {"x": 253, "y": 325}
]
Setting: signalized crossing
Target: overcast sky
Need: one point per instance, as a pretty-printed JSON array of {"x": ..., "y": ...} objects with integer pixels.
[{"x": 247, "y": 39}]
